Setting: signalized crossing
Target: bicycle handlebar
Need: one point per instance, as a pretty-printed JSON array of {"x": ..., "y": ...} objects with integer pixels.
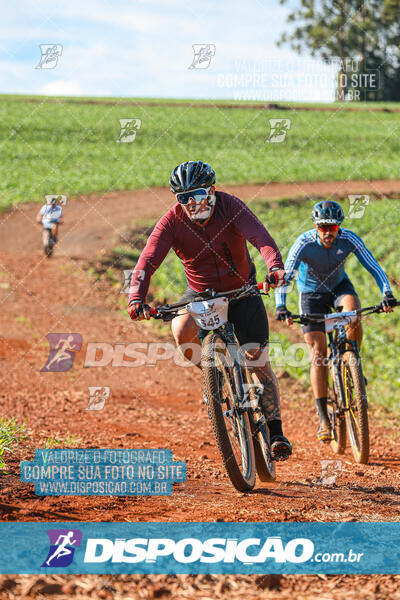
[
  {"x": 246, "y": 290},
  {"x": 312, "y": 318}
]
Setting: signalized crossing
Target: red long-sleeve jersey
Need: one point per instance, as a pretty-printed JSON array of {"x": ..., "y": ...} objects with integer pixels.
[{"x": 215, "y": 255}]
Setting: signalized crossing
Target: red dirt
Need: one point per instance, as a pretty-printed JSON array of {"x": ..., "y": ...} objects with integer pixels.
[
  {"x": 153, "y": 407},
  {"x": 217, "y": 104},
  {"x": 96, "y": 221}
]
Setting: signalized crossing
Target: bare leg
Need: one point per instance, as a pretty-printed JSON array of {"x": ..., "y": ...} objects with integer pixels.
[
  {"x": 54, "y": 230},
  {"x": 353, "y": 330},
  {"x": 184, "y": 330},
  {"x": 316, "y": 341},
  {"x": 264, "y": 375}
]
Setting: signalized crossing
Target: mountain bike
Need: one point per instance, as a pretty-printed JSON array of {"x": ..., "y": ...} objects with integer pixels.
[
  {"x": 347, "y": 394},
  {"x": 49, "y": 239},
  {"x": 48, "y": 242},
  {"x": 233, "y": 398}
]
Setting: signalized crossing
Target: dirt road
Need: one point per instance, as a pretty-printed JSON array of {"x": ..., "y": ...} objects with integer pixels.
[{"x": 151, "y": 407}]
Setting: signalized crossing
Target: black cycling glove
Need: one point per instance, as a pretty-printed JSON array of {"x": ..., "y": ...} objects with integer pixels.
[
  {"x": 388, "y": 300},
  {"x": 282, "y": 313}
]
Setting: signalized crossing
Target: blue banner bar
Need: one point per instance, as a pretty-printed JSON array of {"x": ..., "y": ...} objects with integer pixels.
[{"x": 248, "y": 548}]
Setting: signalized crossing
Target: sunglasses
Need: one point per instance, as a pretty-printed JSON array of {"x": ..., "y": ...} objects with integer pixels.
[
  {"x": 333, "y": 227},
  {"x": 198, "y": 195}
]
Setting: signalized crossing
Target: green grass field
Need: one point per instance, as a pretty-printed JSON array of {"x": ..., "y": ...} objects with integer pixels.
[
  {"x": 70, "y": 148},
  {"x": 286, "y": 220}
]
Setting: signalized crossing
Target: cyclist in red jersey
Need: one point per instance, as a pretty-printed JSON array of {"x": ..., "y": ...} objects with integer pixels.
[{"x": 208, "y": 230}]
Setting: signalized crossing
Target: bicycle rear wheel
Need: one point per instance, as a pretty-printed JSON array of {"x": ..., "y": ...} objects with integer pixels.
[
  {"x": 231, "y": 428},
  {"x": 356, "y": 406},
  {"x": 338, "y": 444},
  {"x": 265, "y": 466}
]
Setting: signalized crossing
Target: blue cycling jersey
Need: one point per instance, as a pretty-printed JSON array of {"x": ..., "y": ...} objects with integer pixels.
[{"x": 322, "y": 269}]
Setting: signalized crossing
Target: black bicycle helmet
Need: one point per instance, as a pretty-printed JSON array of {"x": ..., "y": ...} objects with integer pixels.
[
  {"x": 191, "y": 175},
  {"x": 327, "y": 211}
]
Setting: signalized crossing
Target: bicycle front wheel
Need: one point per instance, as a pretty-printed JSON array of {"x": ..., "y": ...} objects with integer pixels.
[
  {"x": 356, "y": 406},
  {"x": 48, "y": 246},
  {"x": 338, "y": 423},
  {"x": 231, "y": 426}
]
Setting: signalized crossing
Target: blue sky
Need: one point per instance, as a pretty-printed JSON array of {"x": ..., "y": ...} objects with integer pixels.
[{"x": 144, "y": 48}]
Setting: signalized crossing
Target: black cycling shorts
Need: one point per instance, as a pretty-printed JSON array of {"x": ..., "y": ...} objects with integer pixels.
[
  {"x": 314, "y": 302},
  {"x": 248, "y": 316}
]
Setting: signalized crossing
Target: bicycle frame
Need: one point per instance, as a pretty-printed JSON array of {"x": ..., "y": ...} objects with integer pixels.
[
  {"x": 337, "y": 348},
  {"x": 226, "y": 331}
]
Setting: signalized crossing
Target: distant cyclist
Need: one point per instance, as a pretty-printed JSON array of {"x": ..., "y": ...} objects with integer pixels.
[
  {"x": 208, "y": 230},
  {"x": 320, "y": 255},
  {"x": 50, "y": 216}
]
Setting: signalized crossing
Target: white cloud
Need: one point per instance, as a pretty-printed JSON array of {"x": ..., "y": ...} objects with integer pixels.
[{"x": 62, "y": 88}]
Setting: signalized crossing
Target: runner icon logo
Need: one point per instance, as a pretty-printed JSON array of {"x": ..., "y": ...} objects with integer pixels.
[
  {"x": 62, "y": 547},
  {"x": 60, "y": 199},
  {"x": 50, "y": 55},
  {"x": 62, "y": 351},
  {"x": 129, "y": 128},
  {"x": 358, "y": 204},
  {"x": 97, "y": 397},
  {"x": 330, "y": 470},
  {"x": 279, "y": 129},
  {"x": 203, "y": 53}
]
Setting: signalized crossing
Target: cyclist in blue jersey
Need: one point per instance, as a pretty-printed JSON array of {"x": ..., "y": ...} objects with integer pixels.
[{"x": 320, "y": 255}]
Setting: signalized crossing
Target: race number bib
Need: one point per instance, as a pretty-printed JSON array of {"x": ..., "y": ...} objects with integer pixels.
[{"x": 209, "y": 314}]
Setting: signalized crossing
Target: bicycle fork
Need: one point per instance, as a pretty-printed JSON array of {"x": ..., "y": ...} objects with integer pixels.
[{"x": 336, "y": 376}]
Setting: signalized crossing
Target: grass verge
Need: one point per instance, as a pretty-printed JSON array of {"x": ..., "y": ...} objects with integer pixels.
[
  {"x": 10, "y": 435},
  {"x": 71, "y": 148}
]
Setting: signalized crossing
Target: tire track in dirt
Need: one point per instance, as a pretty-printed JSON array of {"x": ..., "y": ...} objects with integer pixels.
[
  {"x": 93, "y": 223},
  {"x": 216, "y": 104}
]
